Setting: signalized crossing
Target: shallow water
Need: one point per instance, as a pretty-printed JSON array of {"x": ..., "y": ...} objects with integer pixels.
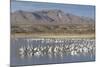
[{"x": 48, "y": 58}]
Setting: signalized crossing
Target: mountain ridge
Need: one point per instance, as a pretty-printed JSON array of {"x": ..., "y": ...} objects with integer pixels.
[{"x": 47, "y": 17}]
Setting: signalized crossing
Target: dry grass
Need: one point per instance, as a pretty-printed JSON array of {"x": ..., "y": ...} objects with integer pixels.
[{"x": 54, "y": 31}]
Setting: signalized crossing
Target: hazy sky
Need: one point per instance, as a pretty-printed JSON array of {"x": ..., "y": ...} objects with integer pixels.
[{"x": 80, "y": 10}]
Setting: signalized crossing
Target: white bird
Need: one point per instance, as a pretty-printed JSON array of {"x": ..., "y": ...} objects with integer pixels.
[
  {"x": 22, "y": 51},
  {"x": 73, "y": 53},
  {"x": 37, "y": 54},
  {"x": 50, "y": 50},
  {"x": 85, "y": 50}
]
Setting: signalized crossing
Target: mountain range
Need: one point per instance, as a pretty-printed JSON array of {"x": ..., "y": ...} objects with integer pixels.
[
  {"x": 50, "y": 21},
  {"x": 47, "y": 17}
]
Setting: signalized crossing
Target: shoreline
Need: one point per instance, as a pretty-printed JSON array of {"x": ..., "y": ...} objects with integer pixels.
[{"x": 91, "y": 36}]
